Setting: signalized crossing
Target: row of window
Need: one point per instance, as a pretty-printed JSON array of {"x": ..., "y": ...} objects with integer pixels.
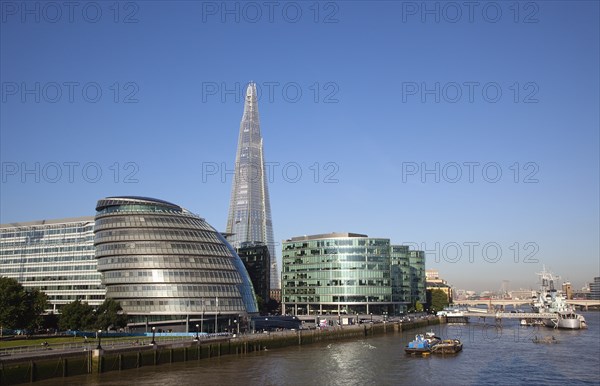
[
  {"x": 74, "y": 287},
  {"x": 373, "y": 289},
  {"x": 195, "y": 262},
  {"x": 138, "y": 208},
  {"x": 337, "y": 274},
  {"x": 32, "y": 251},
  {"x": 337, "y": 298},
  {"x": 49, "y": 268},
  {"x": 162, "y": 248},
  {"x": 198, "y": 275},
  {"x": 156, "y": 234},
  {"x": 46, "y": 241},
  {"x": 349, "y": 285},
  {"x": 331, "y": 252},
  {"x": 45, "y": 230},
  {"x": 136, "y": 221},
  {"x": 183, "y": 306},
  {"x": 341, "y": 242},
  {"x": 165, "y": 264},
  {"x": 202, "y": 292},
  {"x": 329, "y": 267},
  {"x": 335, "y": 259},
  {"x": 47, "y": 259},
  {"x": 94, "y": 276}
]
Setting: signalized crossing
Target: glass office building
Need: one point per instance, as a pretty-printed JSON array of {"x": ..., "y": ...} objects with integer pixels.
[
  {"x": 256, "y": 259},
  {"x": 418, "y": 280},
  {"x": 54, "y": 256},
  {"x": 336, "y": 273},
  {"x": 350, "y": 273},
  {"x": 166, "y": 265},
  {"x": 249, "y": 218},
  {"x": 400, "y": 272}
]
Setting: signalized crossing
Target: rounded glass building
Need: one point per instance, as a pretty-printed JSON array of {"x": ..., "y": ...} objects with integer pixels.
[{"x": 166, "y": 265}]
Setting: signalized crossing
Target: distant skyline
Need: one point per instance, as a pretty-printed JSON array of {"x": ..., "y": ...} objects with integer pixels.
[{"x": 472, "y": 133}]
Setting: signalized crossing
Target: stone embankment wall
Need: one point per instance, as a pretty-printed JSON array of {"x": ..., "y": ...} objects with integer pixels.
[{"x": 53, "y": 365}]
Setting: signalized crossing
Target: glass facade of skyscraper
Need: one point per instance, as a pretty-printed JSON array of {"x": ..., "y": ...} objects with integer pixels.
[
  {"x": 54, "y": 256},
  {"x": 249, "y": 218}
]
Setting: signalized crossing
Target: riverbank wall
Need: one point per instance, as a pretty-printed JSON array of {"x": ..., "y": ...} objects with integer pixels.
[{"x": 65, "y": 364}]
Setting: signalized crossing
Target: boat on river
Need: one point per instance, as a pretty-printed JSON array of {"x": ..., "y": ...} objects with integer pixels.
[
  {"x": 550, "y": 300},
  {"x": 422, "y": 344},
  {"x": 447, "y": 346}
]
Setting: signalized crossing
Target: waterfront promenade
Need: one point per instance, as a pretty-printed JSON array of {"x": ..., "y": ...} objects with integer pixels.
[{"x": 24, "y": 367}]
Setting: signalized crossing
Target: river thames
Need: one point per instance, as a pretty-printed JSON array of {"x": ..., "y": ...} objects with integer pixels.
[{"x": 491, "y": 356}]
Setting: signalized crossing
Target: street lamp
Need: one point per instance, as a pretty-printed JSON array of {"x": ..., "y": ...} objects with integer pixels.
[
  {"x": 153, "y": 334},
  {"x": 237, "y": 321},
  {"x": 371, "y": 317},
  {"x": 99, "y": 337},
  {"x": 197, "y": 337},
  {"x": 216, "y": 315}
]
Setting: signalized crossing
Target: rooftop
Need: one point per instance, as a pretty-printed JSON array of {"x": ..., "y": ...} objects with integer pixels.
[
  {"x": 333, "y": 235},
  {"x": 49, "y": 222}
]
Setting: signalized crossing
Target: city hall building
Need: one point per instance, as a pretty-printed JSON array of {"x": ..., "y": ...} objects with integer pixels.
[
  {"x": 166, "y": 266},
  {"x": 350, "y": 273},
  {"x": 169, "y": 267}
]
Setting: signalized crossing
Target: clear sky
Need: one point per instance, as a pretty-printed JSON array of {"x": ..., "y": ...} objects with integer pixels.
[{"x": 446, "y": 125}]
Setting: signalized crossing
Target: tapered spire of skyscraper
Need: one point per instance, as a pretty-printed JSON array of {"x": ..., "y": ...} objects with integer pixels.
[{"x": 249, "y": 219}]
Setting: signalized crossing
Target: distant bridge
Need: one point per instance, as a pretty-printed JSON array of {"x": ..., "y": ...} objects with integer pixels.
[{"x": 519, "y": 302}]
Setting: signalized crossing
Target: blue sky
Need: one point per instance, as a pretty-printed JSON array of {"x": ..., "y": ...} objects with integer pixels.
[{"x": 361, "y": 98}]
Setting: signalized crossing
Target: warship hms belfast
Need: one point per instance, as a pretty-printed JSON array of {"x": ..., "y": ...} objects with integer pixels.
[{"x": 549, "y": 300}]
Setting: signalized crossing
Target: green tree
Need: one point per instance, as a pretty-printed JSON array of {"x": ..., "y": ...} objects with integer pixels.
[
  {"x": 35, "y": 304},
  {"x": 438, "y": 300},
  {"x": 77, "y": 316},
  {"x": 110, "y": 315},
  {"x": 418, "y": 306},
  {"x": 20, "y": 307}
]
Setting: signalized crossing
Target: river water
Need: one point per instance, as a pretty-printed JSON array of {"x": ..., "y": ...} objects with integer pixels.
[{"x": 491, "y": 356}]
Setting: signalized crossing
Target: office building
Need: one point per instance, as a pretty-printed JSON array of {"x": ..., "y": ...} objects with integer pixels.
[
  {"x": 256, "y": 259},
  {"x": 55, "y": 257},
  {"x": 434, "y": 281},
  {"x": 349, "y": 273},
  {"x": 249, "y": 219},
  {"x": 169, "y": 267},
  {"x": 595, "y": 289}
]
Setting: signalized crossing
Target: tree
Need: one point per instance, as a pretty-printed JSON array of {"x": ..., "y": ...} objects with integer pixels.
[
  {"x": 77, "y": 316},
  {"x": 110, "y": 315},
  {"x": 438, "y": 299},
  {"x": 35, "y": 304},
  {"x": 20, "y": 307},
  {"x": 416, "y": 307}
]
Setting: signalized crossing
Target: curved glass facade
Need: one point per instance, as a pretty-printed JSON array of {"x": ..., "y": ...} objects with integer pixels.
[
  {"x": 347, "y": 273},
  {"x": 157, "y": 258},
  {"x": 336, "y": 273}
]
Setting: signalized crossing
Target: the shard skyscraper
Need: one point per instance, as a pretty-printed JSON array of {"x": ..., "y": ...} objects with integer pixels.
[{"x": 249, "y": 219}]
